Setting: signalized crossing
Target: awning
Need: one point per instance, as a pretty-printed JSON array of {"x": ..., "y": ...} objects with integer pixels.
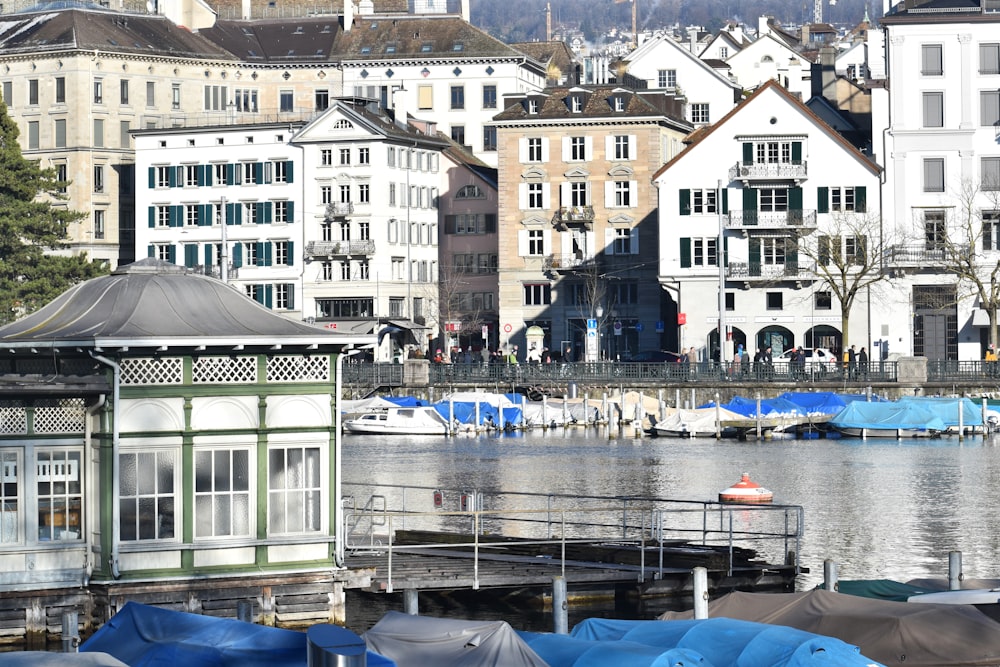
[{"x": 980, "y": 318}]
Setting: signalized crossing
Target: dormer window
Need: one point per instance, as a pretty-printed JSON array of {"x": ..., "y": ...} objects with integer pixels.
[
  {"x": 365, "y": 50},
  {"x": 532, "y": 106},
  {"x": 390, "y": 48},
  {"x": 575, "y": 104},
  {"x": 458, "y": 46},
  {"x": 470, "y": 192},
  {"x": 618, "y": 103},
  {"x": 426, "y": 47}
]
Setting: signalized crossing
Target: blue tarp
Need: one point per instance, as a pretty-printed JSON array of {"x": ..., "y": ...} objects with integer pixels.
[
  {"x": 566, "y": 651},
  {"x": 900, "y": 415},
  {"x": 825, "y": 402},
  {"x": 947, "y": 409},
  {"x": 144, "y": 636},
  {"x": 465, "y": 413},
  {"x": 405, "y": 401},
  {"x": 768, "y": 407},
  {"x": 726, "y": 642}
]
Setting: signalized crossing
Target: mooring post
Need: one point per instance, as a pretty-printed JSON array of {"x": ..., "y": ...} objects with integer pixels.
[
  {"x": 70, "y": 632},
  {"x": 700, "y": 593},
  {"x": 955, "y": 575},
  {"x": 830, "y": 575},
  {"x": 560, "y": 608},
  {"x": 410, "y": 605},
  {"x": 961, "y": 419},
  {"x": 986, "y": 423}
]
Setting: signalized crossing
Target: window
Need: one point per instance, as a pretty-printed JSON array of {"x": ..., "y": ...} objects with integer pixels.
[
  {"x": 322, "y": 100},
  {"x": 280, "y": 212},
  {"x": 534, "y": 149},
  {"x": 294, "y": 494},
  {"x": 579, "y": 194},
  {"x": 537, "y": 294},
  {"x": 190, "y": 215},
  {"x": 245, "y": 99},
  {"x": 532, "y": 106},
  {"x": 577, "y": 149},
  {"x": 458, "y": 134},
  {"x": 470, "y": 192},
  {"x": 150, "y": 94},
  {"x": 59, "y": 493},
  {"x": 175, "y": 96},
  {"x": 774, "y": 300},
  {"x": 666, "y": 78},
  {"x": 623, "y": 194},
  {"x": 286, "y": 100},
  {"x": 162, "y": 216},
  {"x": 98, "y": 91},
  {"x": 703, "y": 252},
  {"x": 281, "y": 253},
  {"x": 124, "y": 134},
  {"x": 147, "y": 483},
  {"x": 772, "y": 250},
  {"x": 991, "y": 230},
  {"x": 489, "y": 138},
  {"x": 989, "y": 108},
  {"x": 326, "y": 157},
  {"x": 772, "y": 200},
  {"x": 489, "y": 96},
  {"x": 989, "y": 58},
  {"x": 164, "y": 252},
  {"x": 364, "y": 156},
  {"x": 575, "y": 103},
  {"x": 251, "y": 215},
  {"x": 823, "y": 301},
  {"x": 933, "y": 109},
  {"x": 843, "y": 199},
  {"x": 190, "y": 175},
  {"x": 98, "y": 132},
  {"x": 703, "y": 201},
  {"x": 623, "y": 242},
  {"x": 364, "y": 190},
  {"x": 535, "y": 195},
  {"x": 99, "y": 178},
  {"x": 33, "y": 135},
  {"x": 33, "y": 91},
  {"x": 723, "y": 52},
  {"x": 216, "y": 98},
  {"x": 345, "y": 194},
  {"x": 621, "y": 147},
  {"x": 934, "y": 174},
  {"x": 935, "y": 236},
  {"x": 219, "y": 176},
  {"x": 391, "y": 156},
  {"x": 222, "y": 493},
  {"x": 536, "y": 242},
  {"x": 99, "y": 215},
  {"x": 280, "y": 169},
  {"x": 931, "y": 60},
  {"x": 60, "y": 127},
  {"x": 8, "y": 93},
  {"x": 458, "y": 97},
  {"x": 60, "y": 90},
  {"x": 990, "y": 173},
  {"x": 345, "y": 156},
  {"x": 425, "y": 97},
  {"x": 699, "y": 113},
  {"x": 249, "y": 170},
  {"x": 62, "y": 176}
]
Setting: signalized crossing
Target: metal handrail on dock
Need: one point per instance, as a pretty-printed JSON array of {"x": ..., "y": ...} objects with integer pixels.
[{"x": 465, "y": 520}]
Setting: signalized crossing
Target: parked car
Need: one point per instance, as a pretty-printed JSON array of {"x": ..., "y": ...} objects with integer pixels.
[
  {"x": 818, "y": 360},
  {"x": 655, "y": 356}
]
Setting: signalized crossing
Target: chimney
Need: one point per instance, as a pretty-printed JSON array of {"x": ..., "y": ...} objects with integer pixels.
[
  {"x": 548, "y": 21},
  {"x": 762, "y": 27},
  {"x": 348, "y": 14},
  {"x": 366, "y": 8},
  {"x": 400, "y": 106},
  {"x": 245, "y": 10},
  {"x": 828, "y": 72},
  {"x": 465, "y": 11},
  {"x": 693, "y": 39}
]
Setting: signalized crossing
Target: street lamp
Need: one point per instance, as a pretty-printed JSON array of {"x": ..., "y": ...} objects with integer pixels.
[{"x": 599, "y": 311}]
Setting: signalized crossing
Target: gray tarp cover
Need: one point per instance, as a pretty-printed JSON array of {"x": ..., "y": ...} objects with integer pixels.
[
  {"x": 45, "y": 659},
  {"x": 894, "y": 633},
  {"x": 423, "y": 641}
]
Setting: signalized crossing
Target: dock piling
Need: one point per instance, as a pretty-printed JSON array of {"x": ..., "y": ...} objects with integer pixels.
[
  {"x": 70, "y": 632},
  {"x": 411, "y": 604},
  {"x": 560, "y": 608},
  {"x": 955, "y": 575},
  {"x": 830, "y": 575},
  {"x": 700, "y": 593}
]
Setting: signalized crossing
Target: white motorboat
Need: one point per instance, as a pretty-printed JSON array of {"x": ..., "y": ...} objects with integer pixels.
[
  {"x": 698, "y": 423},
  {"x": 419, "y": 420}
]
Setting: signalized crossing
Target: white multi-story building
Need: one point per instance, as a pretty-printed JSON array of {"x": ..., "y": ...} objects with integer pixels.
[
  {"x": 225, "y": 201},
  {"x": 785, "y": 192},
  {"x": 936, "y": 119},
  {"x": 371, "y": 186}
]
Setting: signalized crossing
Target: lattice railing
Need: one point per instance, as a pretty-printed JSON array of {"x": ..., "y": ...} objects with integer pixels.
[
  {"x": 166, "y": 370},
  {"x": 298, "y": 368},
  {"x": 13, "y": 418},
  {"x": 224, "y": 370},
  {"x": 65, "y": 415}
]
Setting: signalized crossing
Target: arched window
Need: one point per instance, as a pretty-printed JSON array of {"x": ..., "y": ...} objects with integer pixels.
[{"x": 470, "y": 192}]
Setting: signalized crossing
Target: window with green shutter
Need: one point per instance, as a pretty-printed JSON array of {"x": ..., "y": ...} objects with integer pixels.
[
  {"x": 823, "y": 199},
  {"x": 685, "y": 202},
  {"x": 685, "y": 253}
]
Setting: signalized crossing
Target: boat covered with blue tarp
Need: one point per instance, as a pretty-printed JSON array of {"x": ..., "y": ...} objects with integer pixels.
[
  {"x": 904, "y": 419},
  {"x": 825, "y": 402},
  {"x": 948, "y": 409}
]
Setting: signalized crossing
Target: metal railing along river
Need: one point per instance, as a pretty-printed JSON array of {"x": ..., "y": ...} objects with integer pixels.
[{"x": 374, "y": 514}]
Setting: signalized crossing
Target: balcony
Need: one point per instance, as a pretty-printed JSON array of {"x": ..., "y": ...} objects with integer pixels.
[
  {"x": 340, "y": 248},
  {"x": 574, "y": 215},
  {"x": 215, "y": 271},
  {"x": 914, "y": 256},
  {"x": 748, "y": 220},
  {"x": 779, "y": 171},
  {"x": 338, "y": 210},
  {"x": 568, "y": 261},
  {"x": 759, "y": 272}
]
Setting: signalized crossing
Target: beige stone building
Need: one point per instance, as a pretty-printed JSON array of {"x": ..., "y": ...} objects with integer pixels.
[{"x": 577, "y": 219}]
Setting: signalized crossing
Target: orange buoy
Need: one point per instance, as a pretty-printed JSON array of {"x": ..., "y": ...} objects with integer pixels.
[{"x": 746, "y": 492}]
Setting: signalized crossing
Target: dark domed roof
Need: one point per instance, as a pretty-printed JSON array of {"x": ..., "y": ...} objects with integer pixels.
[{"x": 156, "y": 303}]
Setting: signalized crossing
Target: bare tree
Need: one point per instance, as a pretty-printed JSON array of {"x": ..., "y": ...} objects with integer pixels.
[
  {"x": 974, "y": 229},
  {"x": 456, "y": 304},
  {"x": 849, "y": 255}
]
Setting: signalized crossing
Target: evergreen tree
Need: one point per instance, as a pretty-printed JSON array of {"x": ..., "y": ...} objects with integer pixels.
[{"x": 32, "y": 228}]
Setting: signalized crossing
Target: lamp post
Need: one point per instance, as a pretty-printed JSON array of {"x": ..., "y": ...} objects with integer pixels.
[{"x": 599, "y": 311}]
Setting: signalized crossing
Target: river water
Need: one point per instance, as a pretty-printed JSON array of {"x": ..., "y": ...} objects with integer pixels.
[{"x": 881, "y": 509}]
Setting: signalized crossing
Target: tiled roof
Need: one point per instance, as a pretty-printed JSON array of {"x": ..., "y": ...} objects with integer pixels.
[
  {"x": 104, "y": 30},
  {"x": 595, "y": 103},
  {"x": 308, "y": 39},
  {"x": 418, "y": 37},
  {"x": 554, "y": 53}
]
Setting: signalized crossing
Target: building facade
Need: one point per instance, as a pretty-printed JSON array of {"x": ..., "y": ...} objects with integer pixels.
[{"x": 577, "y": 219}]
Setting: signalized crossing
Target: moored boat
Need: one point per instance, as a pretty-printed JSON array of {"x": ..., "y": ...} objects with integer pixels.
[
  {"x": 887, "y": 420},
  {"x": 414, "y": 420}
]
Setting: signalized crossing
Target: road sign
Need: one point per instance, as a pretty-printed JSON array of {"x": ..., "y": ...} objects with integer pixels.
[
  {"x": 507, "y": 328},
  {"x": 592, "y": 323},
  {"x": 639, "y": 327},
  {"x": 618, "y": 328},
  {"x": 486, "y": 332}
]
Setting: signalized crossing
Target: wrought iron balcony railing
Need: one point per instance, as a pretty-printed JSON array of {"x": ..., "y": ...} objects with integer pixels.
[
  {"x": 758, "y": 271},
  {"x": 915, "y": 256},
  {"x": 574, "y": 214},
  {"x": 769, "y": 171},
  {"x": 338, "y": 210},
  {"x": 339, "y": 248},
  {"x": 748, "y": 219}
]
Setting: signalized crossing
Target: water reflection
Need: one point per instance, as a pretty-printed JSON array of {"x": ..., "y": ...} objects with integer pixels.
[{"x": 879, "y": 508}]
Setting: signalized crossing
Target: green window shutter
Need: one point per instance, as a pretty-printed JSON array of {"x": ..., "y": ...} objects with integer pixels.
[
  {"x": 237, "y": 214},
  {"x": 791, "y": 255},
  {"x": 237, "y": 255},
  {"x": 152, "y": 177},
  {"x": 725, "y": 201},
  {"x": 190, "y": 255},
  {"x": 288, "y": 171},
  {"x": 200, "y": 174},
  {"x": 749, "y": 206},
  {"x": 291, "y": 296},
  {"x": 685, "y": 253},
  {"x": 797, "y": 152},
  {"x": 208, "y": 254},
  {"x": 230, "y": 174},
  {"x": 266, "y": 247},
  {"x": 291, "y": 211},
  {"x": 172, "y": 254},
  {"x": 152, "y": 217},
  {"x": 150, "y": 250},
  {"x": 171, "y": 216},
  {"x": 178, "y": 216},
  {"x": 258, "y": 172},
  {"x": 291, "y": 253},
  {"x": 747, "y": 152},
  {"x": 172, "y": 176},
  {"x": 725, "y": 251},
  {"x": 264, "y": 212},
  {"x": 231, "y": 214},
  {"x": 822, "y": 199},
  {"x": 795, "y": 199},
  {"x": 268, "y": 293},
  {"x": 861, "y": 199},
  {"x": 754, "y": 256},
  {"x": 685, "y": 201}
]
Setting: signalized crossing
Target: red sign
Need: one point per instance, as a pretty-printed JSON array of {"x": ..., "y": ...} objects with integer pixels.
[
  {"x": 331, "y": 325},
  {"x": 682, "y": 318}
]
